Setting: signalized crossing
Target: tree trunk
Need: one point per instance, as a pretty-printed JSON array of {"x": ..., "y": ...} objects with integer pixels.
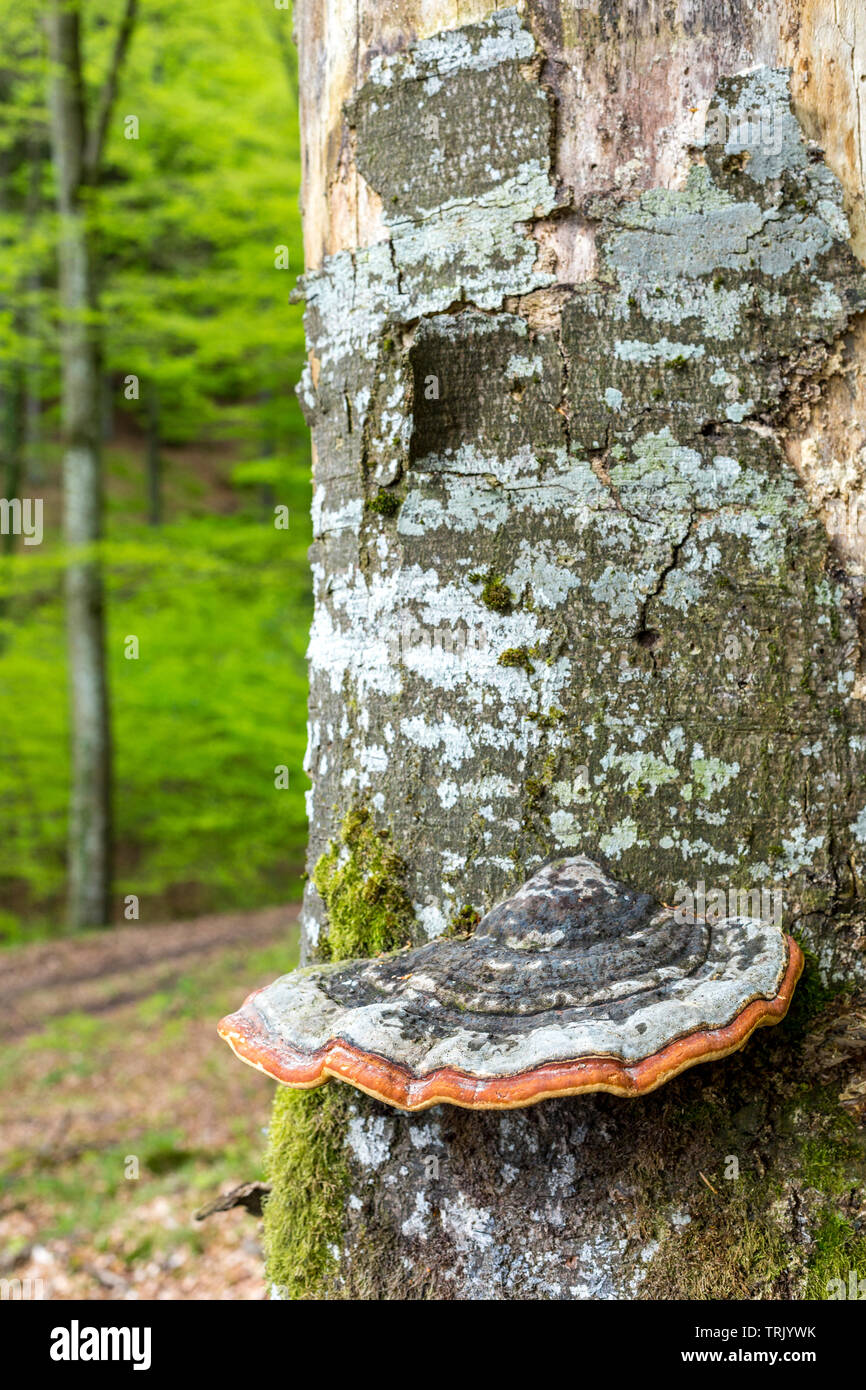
[
  {"x": 154, "y": 461},
  {"x": 33, "y": 463},
  {"x": 89, "y": 864},
  {"x": 12, "y": 377},
  {"x": 77, "y": 154},
  {"x": 585, "y": 381},
  {"x": 12, "y": 398}
]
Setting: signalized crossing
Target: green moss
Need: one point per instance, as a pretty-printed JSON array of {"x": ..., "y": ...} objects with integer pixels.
[
  {"x": 517, "y": 656},
  {"x": 811, "y": 997},
  {"x": 383, "y": 503},
  {"x": 303, "y": 1215},
  {"x": 464, "y": 922},
  {"x": 549, "y": 720},
  {"x": 535, "y": 789},
  {"x": 496, "y": 594},
  {"x": 838, "y": 1250},
  {"x": 360, "y": 880},
  {"x": 533, "y": 793},
  {"x": 732, "y": 1249},
  {"x": 824, "y": 1164}
]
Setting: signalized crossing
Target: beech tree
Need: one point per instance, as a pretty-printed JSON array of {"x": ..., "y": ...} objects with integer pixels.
[
  {"x": 78, "y": 137},
  {"x": 584, "y": 306}
]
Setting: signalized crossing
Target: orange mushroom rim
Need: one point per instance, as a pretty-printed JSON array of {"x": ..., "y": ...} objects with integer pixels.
[{"x": 397, "y": 1086}]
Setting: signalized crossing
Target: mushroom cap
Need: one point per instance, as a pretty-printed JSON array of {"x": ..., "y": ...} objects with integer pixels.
[{"x": 575, "y": 983}]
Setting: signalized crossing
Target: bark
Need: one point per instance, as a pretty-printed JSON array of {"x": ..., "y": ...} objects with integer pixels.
[
  {"x": 585, "y": 326},
  {"x": 77, "y": 160}
]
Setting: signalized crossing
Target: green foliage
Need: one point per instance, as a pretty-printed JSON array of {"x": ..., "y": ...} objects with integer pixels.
[
  {"x": 197, "y": 228},
  {"x": 214, "y": 703},
  {"x": 199, "y": 221}
]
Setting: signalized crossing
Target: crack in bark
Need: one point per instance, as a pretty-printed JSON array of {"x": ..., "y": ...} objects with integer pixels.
[{"x": 644, "y": 635}]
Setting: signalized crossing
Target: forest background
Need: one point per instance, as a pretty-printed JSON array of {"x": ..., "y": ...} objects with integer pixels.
[{"x": 205, "y": 459}]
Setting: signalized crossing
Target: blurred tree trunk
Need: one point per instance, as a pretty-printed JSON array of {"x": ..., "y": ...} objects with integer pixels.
[
  {"x": 77, "y": 151},
  {"x": 12, "y": 404},
  {"x": 38, "y": 153},
  {"x": 12, "y": 396},
  {"x": 581, "y": 416},
  {"x": 154, "y": 462}
]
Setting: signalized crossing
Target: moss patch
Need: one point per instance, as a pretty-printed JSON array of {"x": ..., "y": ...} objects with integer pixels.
[
  {"x": 383, "y": 503},
  {"x": 731, "y": 1249},
  {"x": 840, "y": 1250},
  {"x": 304, "y": 1212},
  {"x": 464, "y": 922},
  {"x": 496, "y": 594},
  {"x": 788, "y": 1221},
  {"x": 360, "y": 878},
  {"x": 517, "y": 656}
]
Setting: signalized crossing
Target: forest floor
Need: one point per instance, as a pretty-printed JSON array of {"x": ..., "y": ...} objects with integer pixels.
[{"x": 122, "y": 1113}]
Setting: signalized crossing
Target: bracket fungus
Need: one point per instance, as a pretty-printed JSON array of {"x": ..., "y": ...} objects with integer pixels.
[{"x": 575, "y": 983}]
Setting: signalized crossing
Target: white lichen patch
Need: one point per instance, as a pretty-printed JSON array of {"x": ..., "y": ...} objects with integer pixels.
[
  {"x": 476, "y": 250},
  {"x": 499, "y": 39},
  {"x": 369, "y": 1138},
  {"x": 468, "y": 1225}
]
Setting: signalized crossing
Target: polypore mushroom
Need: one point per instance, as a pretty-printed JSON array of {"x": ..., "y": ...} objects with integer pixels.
[{"x": 575, "y": 983}]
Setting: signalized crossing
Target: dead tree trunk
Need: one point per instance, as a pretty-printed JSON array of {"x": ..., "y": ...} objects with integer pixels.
[{"x": 586, "y": 348}]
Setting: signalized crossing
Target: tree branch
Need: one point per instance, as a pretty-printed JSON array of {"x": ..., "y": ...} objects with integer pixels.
[{"x": 108, "y": 95}]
